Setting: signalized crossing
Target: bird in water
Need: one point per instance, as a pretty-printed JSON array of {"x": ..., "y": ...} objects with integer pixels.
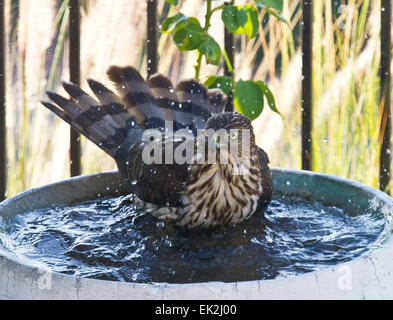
[{"x": 197, "y": 191}]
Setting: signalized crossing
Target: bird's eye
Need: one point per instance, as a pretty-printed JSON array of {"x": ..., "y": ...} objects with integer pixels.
[{"x": 234, "y": 134}]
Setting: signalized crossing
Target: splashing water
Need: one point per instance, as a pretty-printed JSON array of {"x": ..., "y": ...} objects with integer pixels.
[{"x": 111, "y": 239}]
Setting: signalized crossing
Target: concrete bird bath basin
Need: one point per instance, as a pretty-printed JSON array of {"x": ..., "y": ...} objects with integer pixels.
[{"x": 369, "y": 276}]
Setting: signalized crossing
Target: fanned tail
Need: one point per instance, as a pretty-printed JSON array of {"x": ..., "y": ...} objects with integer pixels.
[{"x": 114, "y": 121}]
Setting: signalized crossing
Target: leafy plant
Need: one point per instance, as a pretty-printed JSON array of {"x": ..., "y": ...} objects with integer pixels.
[
  {"x": 188, "y": 34},
  {"x": 346, "y": 88}
]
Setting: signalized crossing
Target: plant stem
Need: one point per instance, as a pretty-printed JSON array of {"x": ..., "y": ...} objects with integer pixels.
[
  {"x": 208, "y": 16},
  {"x": 218, "y": 8},
  {"x": 198, "y": 66},
  {"x": 229, "y": 65},
  {"x": 65, "y": 12}
]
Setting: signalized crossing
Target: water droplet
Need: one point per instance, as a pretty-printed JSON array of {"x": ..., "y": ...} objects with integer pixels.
[{"x": 160, "y": 224}]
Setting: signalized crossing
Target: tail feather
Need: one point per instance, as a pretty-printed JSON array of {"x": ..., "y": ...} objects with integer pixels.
[
  {"x": 64, "y": 116},
  {"x": 85, "y": 123},
  {"x": 110, "y": 104},
  {"x": 81, "y": 98},
  {"x": 115, "y": 74},
  {"x": 92, "y": 109},
  {"x": 165, "y": 95},
  {"x": 136, "y": 95},
  {"x": 217, "y": 101},
  {"x": 194, "y": 99}
]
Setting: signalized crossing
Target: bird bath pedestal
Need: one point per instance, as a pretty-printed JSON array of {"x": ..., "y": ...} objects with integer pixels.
[{"x": 367, "y": 277}]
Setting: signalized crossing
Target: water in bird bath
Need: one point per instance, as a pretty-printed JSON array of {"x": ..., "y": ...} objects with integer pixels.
[{"x": 111, "y": 239}]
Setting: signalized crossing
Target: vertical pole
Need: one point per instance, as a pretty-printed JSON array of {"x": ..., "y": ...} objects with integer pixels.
[
  {"x": 229, "y": 40},
  {"x": 307, "y": 35},
  {"x": 386, "y": 124},
  {"x": 3, "y": 157},
  {"x": 151, "y": 37},
  {"x": 75, "y": 144}
]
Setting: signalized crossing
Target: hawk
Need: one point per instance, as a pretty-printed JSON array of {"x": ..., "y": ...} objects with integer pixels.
[{"x": 196, "y": 193}]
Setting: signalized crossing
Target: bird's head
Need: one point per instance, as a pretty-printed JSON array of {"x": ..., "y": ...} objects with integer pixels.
[{"x": 230, "y": 136}]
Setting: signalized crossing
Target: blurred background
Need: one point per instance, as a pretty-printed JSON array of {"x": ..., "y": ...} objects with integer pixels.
[{"x": 346, "y": 53}]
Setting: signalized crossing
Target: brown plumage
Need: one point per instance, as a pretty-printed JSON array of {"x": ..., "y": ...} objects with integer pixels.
[{"x": 195, "y": 192}]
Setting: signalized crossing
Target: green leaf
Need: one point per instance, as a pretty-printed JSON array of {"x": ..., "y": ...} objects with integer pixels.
[
  {"x": 277, "y": 15},
  {"x": 211, "y": 50},
  {"x": 173, "y": 2},
  {"x": 269, "y": 96},
  {"x": 210, "y": 81},
  {"x": 248, "y": 99},
  {"x": 170, "y": 23},
  {"x": 239, "y": 20},
  {"x": 271, "y": 6},
  {"x": 274, "y": 4},
  {"x": 224, "y": 83},
  {"x": 252, "y": 24},
  {"x": 241, "y": 17},
  {"x": 229, "y": 18},
  {"x": 188, "y": 35}
]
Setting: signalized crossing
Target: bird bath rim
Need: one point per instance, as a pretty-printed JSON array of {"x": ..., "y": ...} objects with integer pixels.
[{"x": 364, "y": 277}]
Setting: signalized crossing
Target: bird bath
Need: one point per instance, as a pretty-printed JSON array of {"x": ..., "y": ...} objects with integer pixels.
[{"x": 312, "y": 262}]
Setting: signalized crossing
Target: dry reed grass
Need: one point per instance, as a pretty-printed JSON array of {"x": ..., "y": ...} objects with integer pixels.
[{"x": 346, "y": 83}]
